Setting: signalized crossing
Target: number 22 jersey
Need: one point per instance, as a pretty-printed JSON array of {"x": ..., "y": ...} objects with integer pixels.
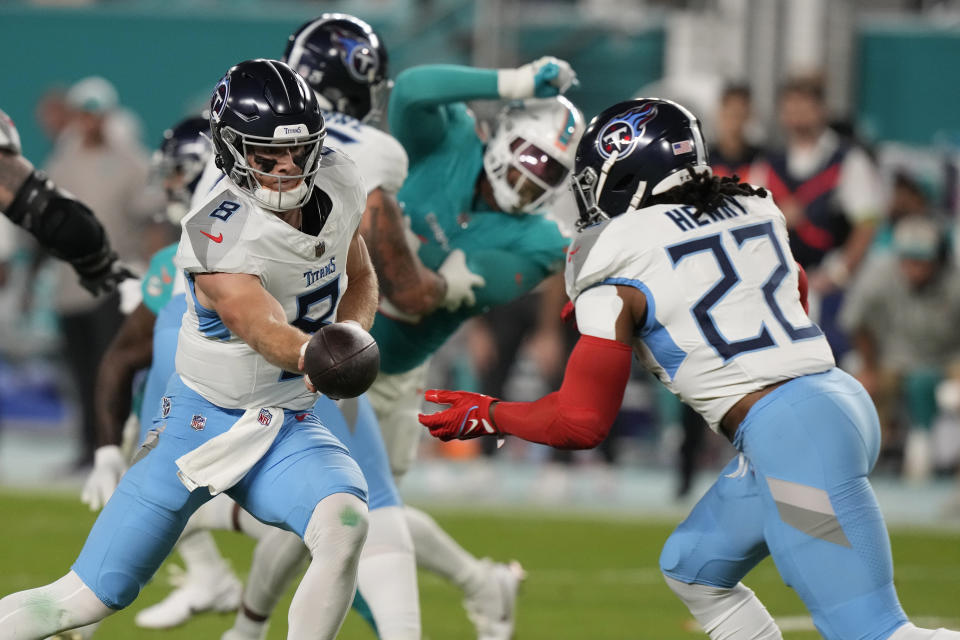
[{"x": 723, "y": 311}]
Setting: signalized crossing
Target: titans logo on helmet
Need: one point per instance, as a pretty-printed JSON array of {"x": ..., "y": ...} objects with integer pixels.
[
  {"x": 219, "y": 100},
  {"x": 621, "y": 133},
  {"x": 359, "y": 57}
]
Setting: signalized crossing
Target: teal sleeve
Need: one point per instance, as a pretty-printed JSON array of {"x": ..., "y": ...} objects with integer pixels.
[
  {"x": 509, "y": 274},
  {"x": 158, "y": 281},
  {"x": 417, "y": 114}
]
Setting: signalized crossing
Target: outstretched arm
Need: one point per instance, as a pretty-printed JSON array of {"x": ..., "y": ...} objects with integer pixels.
[
  {"x": 580, "y": 414},
  {"x": 250, "y": 312},
  {"x": 417, "y": 115},
  {"x": 404, "y": 280}
]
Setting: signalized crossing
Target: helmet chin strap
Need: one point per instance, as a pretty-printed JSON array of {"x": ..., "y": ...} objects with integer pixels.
[{"x": 280, "y": 200}]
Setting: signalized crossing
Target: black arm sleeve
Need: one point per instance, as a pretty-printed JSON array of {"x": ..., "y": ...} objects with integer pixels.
[{"x": 62, "y": 224}]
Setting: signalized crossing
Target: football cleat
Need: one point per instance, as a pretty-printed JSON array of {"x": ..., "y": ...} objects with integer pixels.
[
  {"x": 219, "y": 591},
  {"x": 492, "y": 608}
]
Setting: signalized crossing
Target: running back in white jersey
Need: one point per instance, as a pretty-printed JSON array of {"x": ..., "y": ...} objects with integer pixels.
[
  {"x": 230, "y": 233},
  {"x": 723, "y": 311},
  {"x": 381, "y": 160}
]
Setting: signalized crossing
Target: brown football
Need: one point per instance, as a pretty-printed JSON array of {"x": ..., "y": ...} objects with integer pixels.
[{"x": 342, "y": 360}]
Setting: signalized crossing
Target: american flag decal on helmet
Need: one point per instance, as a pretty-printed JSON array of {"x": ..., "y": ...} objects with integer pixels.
[{"x": 682, "y": 147}]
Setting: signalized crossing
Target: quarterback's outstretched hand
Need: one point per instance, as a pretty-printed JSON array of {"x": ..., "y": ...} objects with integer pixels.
[
  {"x": 542, "y": 78},
  {"x": 460, "y": 281},
  {"x": 468, "y": 417},
  {"x": 108, "y": 467}
]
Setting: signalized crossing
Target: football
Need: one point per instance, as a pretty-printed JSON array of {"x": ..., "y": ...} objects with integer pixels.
[{"x": 342, "y": 360}]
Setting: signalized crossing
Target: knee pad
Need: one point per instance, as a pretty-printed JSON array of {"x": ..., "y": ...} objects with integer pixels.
[
  {"x": 678, "y": 556},
  {"x": 339, "y": 521}
]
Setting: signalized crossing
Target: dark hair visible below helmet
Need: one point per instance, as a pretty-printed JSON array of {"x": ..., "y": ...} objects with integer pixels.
[
  {"x": 179, "y": 162},
  {"x": 264, "y": 104},
  {"x": 344, "y": 61},
  {"x": 633, "y": 150}
]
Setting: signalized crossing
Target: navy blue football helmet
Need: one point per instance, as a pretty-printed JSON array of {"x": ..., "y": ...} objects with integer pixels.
[
  {"x": 258, "y": 109},
  {"x": 345, "y": 62},
  {"x": 631, "y": 151},
  {"x": 179, "y": 162}
]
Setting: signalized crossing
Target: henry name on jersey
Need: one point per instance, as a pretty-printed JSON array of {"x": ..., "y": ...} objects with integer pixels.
[
  {"x": 725, "y": 284},
  {"x": 230, "y": 233}
]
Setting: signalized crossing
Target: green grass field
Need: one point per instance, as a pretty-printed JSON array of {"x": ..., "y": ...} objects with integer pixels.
[{"x": 589, "y": 579}]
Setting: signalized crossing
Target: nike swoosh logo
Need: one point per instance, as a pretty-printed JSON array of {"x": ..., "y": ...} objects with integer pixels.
[
  {"x": 217, "y": 238},
  {"x": 473, "y": 425},
  {"x": 167, "y": 279}
]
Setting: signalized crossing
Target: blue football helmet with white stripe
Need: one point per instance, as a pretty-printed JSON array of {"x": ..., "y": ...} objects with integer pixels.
[
  {"x": 345, "y": 62},
  {"x": 632, "y": 151}
]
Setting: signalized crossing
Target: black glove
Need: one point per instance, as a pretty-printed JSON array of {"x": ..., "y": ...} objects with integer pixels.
[{"x": 101, "y": 272}]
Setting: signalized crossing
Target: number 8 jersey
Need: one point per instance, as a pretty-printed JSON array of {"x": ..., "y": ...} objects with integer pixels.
[
  {"x": 723, "y": 311},
  {"x": 307, "y": 274}
]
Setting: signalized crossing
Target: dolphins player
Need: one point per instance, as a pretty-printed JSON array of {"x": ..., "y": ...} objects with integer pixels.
[{"x": 693, "y": 273}]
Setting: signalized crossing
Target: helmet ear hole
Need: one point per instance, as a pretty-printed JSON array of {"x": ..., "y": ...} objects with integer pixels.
[{"x": 623, "y": 183}]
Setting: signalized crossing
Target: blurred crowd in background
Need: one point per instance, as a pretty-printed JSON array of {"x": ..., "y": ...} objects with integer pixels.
[{"x": 872, "y": 222}]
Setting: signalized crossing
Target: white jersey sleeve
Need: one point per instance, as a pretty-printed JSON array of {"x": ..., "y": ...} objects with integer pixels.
[
  {"x": 381, "y": 160},
  {"x": 221, "y": 235},
  {"x": 211, "y": 178},
  {"x": 723, "y": 310},
  {"x": 9, "y": 138},
  {"x": 305, "y": 273}
]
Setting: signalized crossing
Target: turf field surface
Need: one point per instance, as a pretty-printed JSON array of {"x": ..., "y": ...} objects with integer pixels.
[{"x": 589, "y": 577}]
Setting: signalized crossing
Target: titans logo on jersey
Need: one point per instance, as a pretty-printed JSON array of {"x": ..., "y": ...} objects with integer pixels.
[{"x": 621, "y": 133}]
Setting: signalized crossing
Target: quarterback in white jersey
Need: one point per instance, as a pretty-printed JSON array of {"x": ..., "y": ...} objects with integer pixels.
[
  {"x": 259, "y": 267},
  {"x": 693, "y": 274},
  {"x": 307, "y": 274}
]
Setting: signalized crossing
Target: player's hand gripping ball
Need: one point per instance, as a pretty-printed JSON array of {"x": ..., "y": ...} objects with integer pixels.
[{"x": 341, "y": 360}]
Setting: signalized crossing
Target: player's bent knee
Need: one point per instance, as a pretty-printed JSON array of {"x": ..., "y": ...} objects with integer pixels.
[
  {"x": 677, "y": 556},
  {"x": 339, "y": 520},
  {"x": 117, "y": 589}
]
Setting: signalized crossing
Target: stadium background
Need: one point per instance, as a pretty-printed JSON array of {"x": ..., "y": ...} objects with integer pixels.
[{"x": 588, "y": 527}]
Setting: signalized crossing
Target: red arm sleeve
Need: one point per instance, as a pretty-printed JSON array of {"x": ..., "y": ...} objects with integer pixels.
[{"x": 580, "y": 414}]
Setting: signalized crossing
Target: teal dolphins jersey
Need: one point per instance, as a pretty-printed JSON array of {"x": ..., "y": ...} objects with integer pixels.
[
  {"x": 514, "y": 253},
  {"x": 160, "y": 279}
]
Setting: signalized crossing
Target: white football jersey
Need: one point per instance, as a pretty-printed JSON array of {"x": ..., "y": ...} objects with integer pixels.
[
  {"x": 381, "y": 160},
  {"x": 723, "y": 311},
  {"x": 10, "y": 139},
  {"x": 230, "y": 233}
]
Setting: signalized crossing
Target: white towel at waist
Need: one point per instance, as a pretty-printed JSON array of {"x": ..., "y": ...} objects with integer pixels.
[{"x": 222, "y": 461}]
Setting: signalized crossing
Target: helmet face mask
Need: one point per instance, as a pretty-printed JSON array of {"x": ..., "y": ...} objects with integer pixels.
[
  {"x": 268, "y": 133},
  {"x": 179, "y": 162},
  {"x": 255, "y": 159},
  {"x": 345, "y": 62},
  {"x": 632, "y": 151},
  {"x": 530, "y": 155}
]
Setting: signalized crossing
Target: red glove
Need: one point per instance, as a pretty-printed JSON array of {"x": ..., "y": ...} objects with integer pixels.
[{"x": 468, "y": 417}]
